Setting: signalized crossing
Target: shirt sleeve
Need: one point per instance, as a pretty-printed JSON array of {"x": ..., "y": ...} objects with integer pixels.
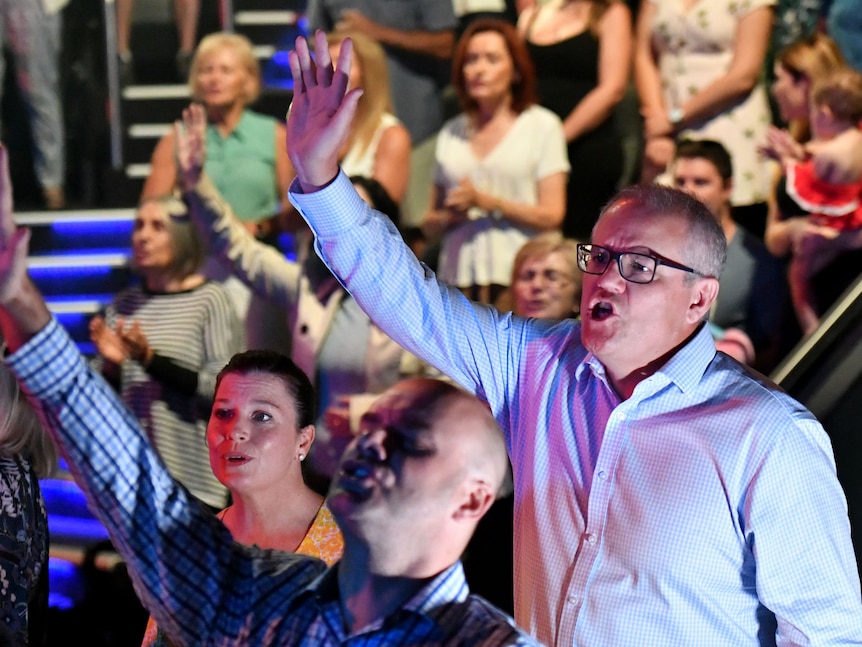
[
  {"x": 794, "y": 517},
  {"x": 261, "y": 267}
]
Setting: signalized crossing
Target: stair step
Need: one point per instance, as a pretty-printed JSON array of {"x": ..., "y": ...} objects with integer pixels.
[
  {"x": 271, "y": 17},
  {"x": 73, "y": 260}
]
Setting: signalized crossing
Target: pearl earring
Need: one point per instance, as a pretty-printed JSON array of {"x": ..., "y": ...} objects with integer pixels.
[{"x": 301, "y": 457}]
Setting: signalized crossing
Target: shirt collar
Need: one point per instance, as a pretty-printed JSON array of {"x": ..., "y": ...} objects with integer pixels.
[
  {"x": 446, "y": 587},
  {"x": 238, "y": 132},
  {"x": 684, "y": 369}
]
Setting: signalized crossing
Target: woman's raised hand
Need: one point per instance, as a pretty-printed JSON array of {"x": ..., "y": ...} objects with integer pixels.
[{"x": 191, "y": 138}]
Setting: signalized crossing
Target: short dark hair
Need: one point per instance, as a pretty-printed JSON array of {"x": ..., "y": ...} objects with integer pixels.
[
  {"x": 524, "y": 81},
  {"x": 706, "y": 245},
  {"x": 710, "y": 150},
  {"x": 380, "y": 198},
  {"x": 280, "y": 366}
]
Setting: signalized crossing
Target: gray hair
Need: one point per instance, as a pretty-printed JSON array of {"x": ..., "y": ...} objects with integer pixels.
[
  {"x": 187, "y": 247},
  {"x": 706, "y": 245}
]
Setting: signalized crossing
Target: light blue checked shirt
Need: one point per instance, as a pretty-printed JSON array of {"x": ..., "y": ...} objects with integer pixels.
[
  {"x": 703, "y": 510},
  {"x": 201, "y": 586}
]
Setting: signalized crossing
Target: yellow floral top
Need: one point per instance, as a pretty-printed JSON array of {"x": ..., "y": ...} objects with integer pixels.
[{"x": 323, "y": 541}]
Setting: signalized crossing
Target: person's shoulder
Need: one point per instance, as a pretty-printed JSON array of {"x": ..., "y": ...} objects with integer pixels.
[
  {"x": 539, "y": 112},
  {"x": 485, "y": 624},
  {"x": 758, "y": 394},
  {"x": 211, "y": 291}
]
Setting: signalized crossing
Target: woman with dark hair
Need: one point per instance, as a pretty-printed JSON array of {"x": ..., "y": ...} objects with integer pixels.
[
  {"x": 582, "y": 53},
  {"x": 259, "y": 434},
  {"x": 163, "y": 341},
  {"x": 501, "y": 163}
]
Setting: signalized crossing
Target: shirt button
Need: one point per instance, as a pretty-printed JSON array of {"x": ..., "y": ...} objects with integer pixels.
[
  {"x": 603, "y": 475},
  {"x": 574, "y": 600},
  {"x": 591, "y": 538}
]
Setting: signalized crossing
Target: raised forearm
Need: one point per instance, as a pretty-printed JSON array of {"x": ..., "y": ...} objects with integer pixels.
[{"x": 23, "y": 314}]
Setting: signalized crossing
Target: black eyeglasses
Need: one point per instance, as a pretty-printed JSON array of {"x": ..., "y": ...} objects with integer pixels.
[{"x": 634, "y": 267}]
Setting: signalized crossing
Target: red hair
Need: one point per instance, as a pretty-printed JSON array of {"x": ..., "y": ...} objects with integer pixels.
[{"x": 524, "y": 77}]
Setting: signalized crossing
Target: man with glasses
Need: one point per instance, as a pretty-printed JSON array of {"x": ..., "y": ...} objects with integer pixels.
[{"x": 664, "y": 495}]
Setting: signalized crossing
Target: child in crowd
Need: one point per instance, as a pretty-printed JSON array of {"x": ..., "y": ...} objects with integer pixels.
[{"x": 834, "y": 210}]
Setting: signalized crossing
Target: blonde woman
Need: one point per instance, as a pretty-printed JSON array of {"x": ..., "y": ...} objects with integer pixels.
[
  {"x": 379, "y": 145},
  {"x": 246, "y": 160},
  {"x": 246, "y": 156},
  {"x": 546, "y": 281},
  {"x": 797, "y": 67}
]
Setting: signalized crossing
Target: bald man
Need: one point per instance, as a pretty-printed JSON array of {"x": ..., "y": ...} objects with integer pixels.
[{"x": 429, "y": 462}]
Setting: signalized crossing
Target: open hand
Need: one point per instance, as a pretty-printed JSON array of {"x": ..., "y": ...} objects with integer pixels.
[
  {"x": 781, "y": 146},
  {"x": 191, "y": 140},
  {"x": 108, "y": 342},
  {"x": 135, "y": 343},
  {"x": 319, "y": 118}
]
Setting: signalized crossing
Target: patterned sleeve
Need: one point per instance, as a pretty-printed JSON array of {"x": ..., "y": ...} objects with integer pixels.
[{"x": 324, "y": 539}]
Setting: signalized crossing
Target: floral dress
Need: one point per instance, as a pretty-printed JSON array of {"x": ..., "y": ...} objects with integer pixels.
[
  {"x": 23, "y": 546},
  {"x": 694, "y": 47}
]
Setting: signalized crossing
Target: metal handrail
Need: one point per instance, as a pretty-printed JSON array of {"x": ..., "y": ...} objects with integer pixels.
[{"x": 112, "y": 68}]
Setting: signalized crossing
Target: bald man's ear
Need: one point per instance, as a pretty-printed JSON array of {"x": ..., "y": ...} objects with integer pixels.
[
  {"x": 704, "y": 293},
  {"x": 479, "y": 496}
]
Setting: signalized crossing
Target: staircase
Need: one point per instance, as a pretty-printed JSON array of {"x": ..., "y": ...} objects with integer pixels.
[
  {"x": 79, "y": 259},
  {"x": 148, "y": 111}
]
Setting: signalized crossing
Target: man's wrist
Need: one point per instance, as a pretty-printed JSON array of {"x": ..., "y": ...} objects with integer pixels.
[
  {"x": 23, "y": 313},
  {"x": 313, "y": 185}
]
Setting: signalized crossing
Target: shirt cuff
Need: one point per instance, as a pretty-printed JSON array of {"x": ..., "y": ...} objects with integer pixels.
[
  {"x": 45, "y": 364},
  {"x": 335, "y": 208}
]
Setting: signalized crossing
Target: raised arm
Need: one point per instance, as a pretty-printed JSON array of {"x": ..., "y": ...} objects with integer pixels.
[
  {"x": 23, "y": 312},
  {"x": 414, "y": 309},
  {"x": 261, "y": 267}
]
